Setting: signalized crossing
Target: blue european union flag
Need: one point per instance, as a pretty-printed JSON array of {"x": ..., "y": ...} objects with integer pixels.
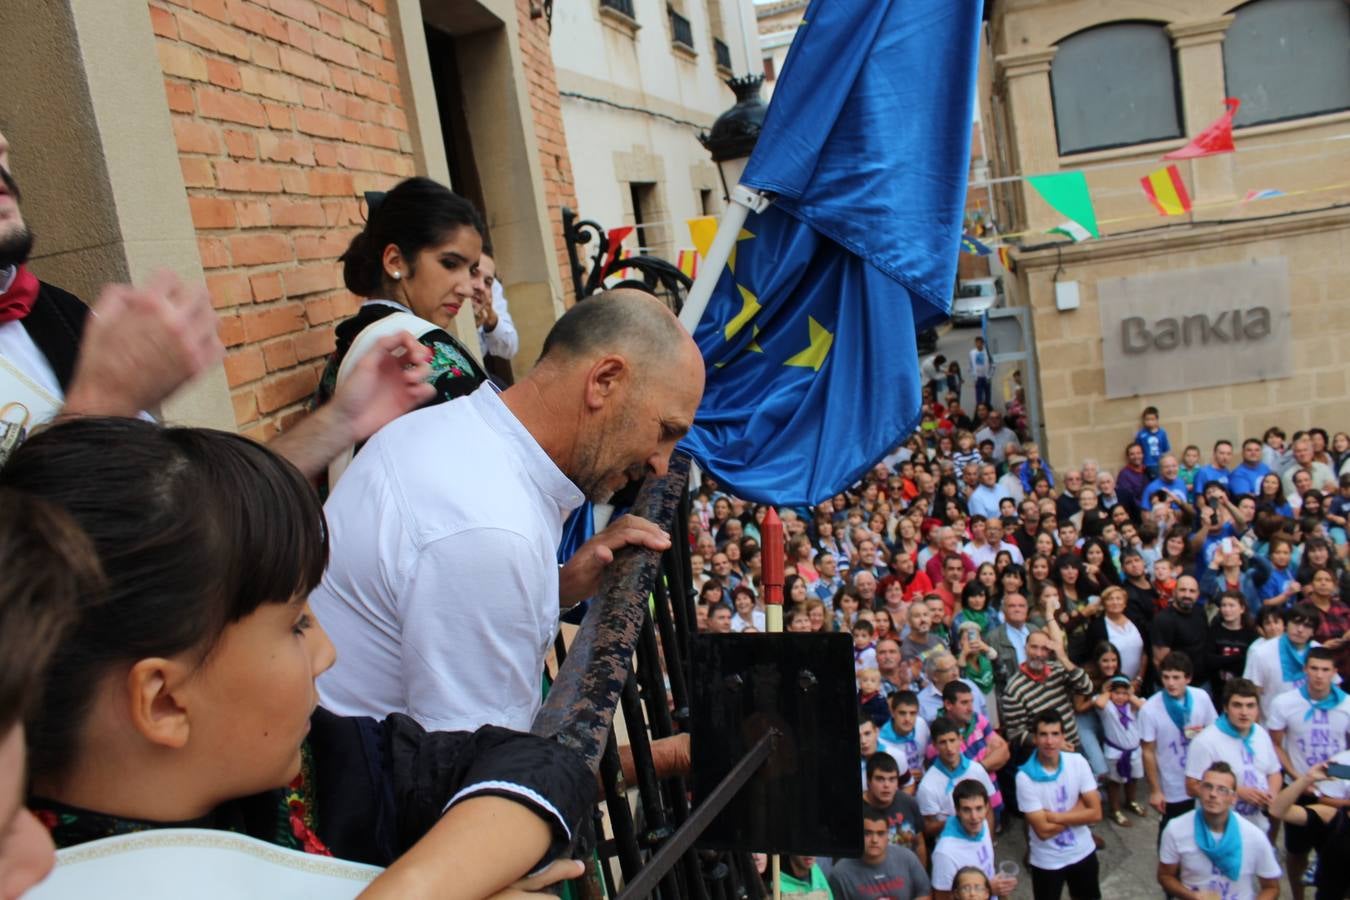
[{"x": 809, "y": 338}]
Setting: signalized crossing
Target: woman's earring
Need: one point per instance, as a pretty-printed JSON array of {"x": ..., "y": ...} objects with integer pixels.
[{"x": 398, "y": 275}]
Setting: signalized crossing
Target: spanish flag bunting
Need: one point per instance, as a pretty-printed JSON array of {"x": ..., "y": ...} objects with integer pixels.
[
  {"x": 702, "y": 231},
  {"x": 687, "y": 261},
  {"x": 1166, "y": 191}
]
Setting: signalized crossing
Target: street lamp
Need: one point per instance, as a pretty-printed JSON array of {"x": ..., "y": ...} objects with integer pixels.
[{"x": 733, "y": 136}]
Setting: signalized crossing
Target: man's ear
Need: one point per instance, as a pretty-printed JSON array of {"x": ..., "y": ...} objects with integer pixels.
[
  {"x": 605, "y": 378},
  {"x": 153, "y": 689}
]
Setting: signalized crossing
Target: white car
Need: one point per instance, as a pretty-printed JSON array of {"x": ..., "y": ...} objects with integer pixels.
[{"x": 974, "y": 297}]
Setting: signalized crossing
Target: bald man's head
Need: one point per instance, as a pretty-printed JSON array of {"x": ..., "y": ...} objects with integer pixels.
[
  {"x": 623, "y": 380},
  {"x": 628, "y": 322}
]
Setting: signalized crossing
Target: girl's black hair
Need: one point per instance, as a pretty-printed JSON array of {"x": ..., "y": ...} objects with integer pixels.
[
  {"x": 194, "y": 529},
  {"x": 416, "y": 214}
]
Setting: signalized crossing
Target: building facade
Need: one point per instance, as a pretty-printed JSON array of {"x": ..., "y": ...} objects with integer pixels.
[
  {"x": 1230, "y": 318},
  {"x": 639, "y": 80},
  {"x": 232, "y": 140}
]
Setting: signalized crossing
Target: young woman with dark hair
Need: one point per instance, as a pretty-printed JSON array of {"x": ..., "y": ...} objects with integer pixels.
[
  {"x": 184, "y": 693},
  {"x": 415, "y": 264}
]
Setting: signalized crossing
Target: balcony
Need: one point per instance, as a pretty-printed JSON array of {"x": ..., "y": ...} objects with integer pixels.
[{"x": 681, "y": 32}]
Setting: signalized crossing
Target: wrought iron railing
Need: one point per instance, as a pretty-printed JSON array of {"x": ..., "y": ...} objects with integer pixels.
[
  {"x": 681, "y": 31},
  {"x": 651, "y": 273},
  {"x": 622, "y": 6},
  {"x": 645, "y": 613}
]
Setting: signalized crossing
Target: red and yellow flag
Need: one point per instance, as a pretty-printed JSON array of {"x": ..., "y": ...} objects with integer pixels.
[{"x": 1166, "y": 191}]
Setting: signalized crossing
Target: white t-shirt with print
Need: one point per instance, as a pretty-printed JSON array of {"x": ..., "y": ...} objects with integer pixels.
[
  {"x": 1061, "y": 795},
  {"x": 935, "y": 799},
  {"x": 1199, "y": 874},
  {"x": 1169, "y": 744},
  {"x": 1309, "y": 739},
  {"x": 951, "y": 855},
  {"x": 1251, "y": 768}
]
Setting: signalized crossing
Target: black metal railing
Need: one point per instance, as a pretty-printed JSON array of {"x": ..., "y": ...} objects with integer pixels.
[
  {"x": 650, "y": 273},
  {"x": 622, "y": 6},
  {"x": 681, "y": 31},
  {"x": 723, "y": 53},
  {"x": 644, "y": 614}
]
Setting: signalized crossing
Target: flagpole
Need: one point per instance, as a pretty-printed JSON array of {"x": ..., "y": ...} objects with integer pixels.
[{"x": 743, "y": 200}]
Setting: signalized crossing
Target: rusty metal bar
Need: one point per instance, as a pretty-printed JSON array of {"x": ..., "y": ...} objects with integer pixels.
[
  {"x": 698, "y": 821},
  {"x": 580, "y": 706}
]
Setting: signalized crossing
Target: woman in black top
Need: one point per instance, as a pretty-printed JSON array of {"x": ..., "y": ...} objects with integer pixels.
[{"x": 1231, "y": 633}]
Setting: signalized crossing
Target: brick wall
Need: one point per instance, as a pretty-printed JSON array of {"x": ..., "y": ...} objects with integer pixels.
[
  {"x": 284, "y": 112},
  {"x": 559, "y": 189}
]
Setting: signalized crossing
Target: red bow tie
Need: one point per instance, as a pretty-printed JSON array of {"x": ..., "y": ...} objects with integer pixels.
[{"x": 16, "y": 302}]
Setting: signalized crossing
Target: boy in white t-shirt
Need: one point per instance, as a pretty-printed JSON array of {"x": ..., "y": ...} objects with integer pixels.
[
  {"x": 1057, "y": 793},
  {"x": 965, "y": 841},
  {"x": 905, "y": 736},
  {"x": 1277, "y": 665},
  {"x": 950, "y": 768},
  {"x": 1168, "y": 722},
  {"x": 1308, "y": 726},
  {"x": 1213, "y": 851},
  {"x": 1237, "y": 739}
]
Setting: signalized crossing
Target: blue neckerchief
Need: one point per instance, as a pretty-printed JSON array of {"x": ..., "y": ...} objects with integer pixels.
[
  {"x": 1326, "y": 704},
  {"x": 951, "y": 774},
  {"x": 1033, "y": 769},
  {"x": 1230, "y": 729},
  {"x": 1291, "y": 660},
  {"x": 1226, "y": 852},
  {"x": 891, "y": 736},
  {"x": 1179, "y": 710},
  {"x": 953, "y": 829}
]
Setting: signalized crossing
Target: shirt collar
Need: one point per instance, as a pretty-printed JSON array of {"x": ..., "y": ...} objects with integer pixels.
[
  {"x": 7, "y": 277},
  {"x": 540, "y": 467}
]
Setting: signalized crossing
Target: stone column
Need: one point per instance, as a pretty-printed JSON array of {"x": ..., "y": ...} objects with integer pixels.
[
  {"x": 1199, "y": 50},
  {"x": 1031, "y": 118}
]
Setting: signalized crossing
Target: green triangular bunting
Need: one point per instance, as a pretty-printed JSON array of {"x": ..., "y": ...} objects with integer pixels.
[{"x": 1068, "y": 193}]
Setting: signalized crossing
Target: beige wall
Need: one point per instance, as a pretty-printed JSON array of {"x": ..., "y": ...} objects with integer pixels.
[
  {"x": 648, "y": 101},
  {"x": 97, "y": 160},
  {"x": 1294, "y": 156},
  {"x": 1081, "y": 422}
]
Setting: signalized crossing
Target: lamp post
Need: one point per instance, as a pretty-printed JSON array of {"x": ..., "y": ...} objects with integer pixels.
[
  {"x": 732, "y": 137},
  {"x": 731, "y": 140}
]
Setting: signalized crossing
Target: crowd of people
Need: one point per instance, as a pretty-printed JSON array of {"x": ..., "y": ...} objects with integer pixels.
[
  {"x": 1045, "y": 649},
  {"x": 192, "y": 635}
]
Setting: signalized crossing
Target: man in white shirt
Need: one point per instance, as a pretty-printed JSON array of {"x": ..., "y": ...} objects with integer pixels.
[
  {"x": 949, "y": 769},
  {"x": 1276, "y": 666},
  {"x": 982, "y": 370},
  {"x": 1237, "y": 739},
  {"x": 1308, "y": 726},
  {"x": 496, "y": 330},
  {"x": 443, "y": 592},
  {"x": 965, "y": 841},
  {"x": 1213, "y": 852},
  {"x": 1168, "y": 722},
  {"x": 1058, "y": 794},
  {"x": 984, "y": 499},
  {"x": 978, "y": 549}
]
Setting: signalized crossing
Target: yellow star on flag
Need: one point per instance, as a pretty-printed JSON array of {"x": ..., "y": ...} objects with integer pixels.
[
  {"x": 731, "y": 260},
  {"x": 813, "y": 357},
  {"x": 749, "y": 307}
]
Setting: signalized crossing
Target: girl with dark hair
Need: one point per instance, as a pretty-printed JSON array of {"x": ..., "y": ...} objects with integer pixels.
[
  {"x": 1231, "y": 633},
  {"x": 1099, "y": 567},
  {"x": 1079, "y": 604},
  {"x": 415, "y": 264},
  {"x": 184, "y": 692}
]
